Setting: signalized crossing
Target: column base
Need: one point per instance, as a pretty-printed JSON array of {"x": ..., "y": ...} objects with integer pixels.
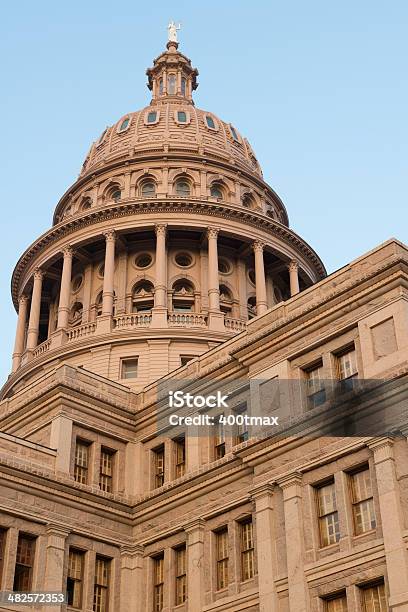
[
  {"x": 159, "y": 317},
  {"x": 104, "y": 324},
  {"x": 58, "y": 338},
  {"x": 216, "y": 321}
]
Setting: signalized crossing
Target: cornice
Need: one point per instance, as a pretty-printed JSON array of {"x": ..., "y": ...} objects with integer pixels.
[{"x": 169, "y": 206}]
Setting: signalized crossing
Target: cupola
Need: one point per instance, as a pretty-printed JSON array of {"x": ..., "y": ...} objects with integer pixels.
[{"x": 172, "y": 76}]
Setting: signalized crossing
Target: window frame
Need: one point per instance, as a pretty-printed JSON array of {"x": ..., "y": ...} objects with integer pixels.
[
  {"x": 213, "y": 128},
  {"x": 186, "y": 181},
  {"x": 159, "y": 474},
  {"x": 121, "y": 130},
  {"x": 222, "y": 555},
  {"x": 364, "y": 588},
  {"x": 158, "y": 582},
  {"x": 180, "y": 457},
  {"x": 86, "y": 444},
  {"x": 146, "y": 118},
  {"x": 321, "y": 514},
  {"x": 75, "y": 580},
  {"x": 124, "y": 362},
  {"x": 28, "y": 537},
  {"x": 247, "y": 551},
  {"x": 362, "y": 501},
  {"x": 180, "y": 575},
  {"x": 106, "y": 588},
  {"x": 107, "y": 478}
]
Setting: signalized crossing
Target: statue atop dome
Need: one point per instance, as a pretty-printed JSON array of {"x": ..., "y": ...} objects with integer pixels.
[{"x": 172, "y": 30}]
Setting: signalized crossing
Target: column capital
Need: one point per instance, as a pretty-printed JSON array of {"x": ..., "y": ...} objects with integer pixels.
[
  {"x": 258, "y": 246},
  {"x": 56, "y": 530},
  {"x": 67, "y": 251},
  {"x": 290, "y": 480},
  {"x": 23, "y": 299},
  {"x": 382, "y": 449},
  {"x": 132, "y": 550},
  {"x": 38, "y": 274},
  {"x": 293, "y": 265},
  {"x": 194, "y": 526},
  {"x": 110, "y": 235},
  {"x": 160, "y": 229},
  {"x": 212, "y": 233},
  {"x": 264, "y": 489}
]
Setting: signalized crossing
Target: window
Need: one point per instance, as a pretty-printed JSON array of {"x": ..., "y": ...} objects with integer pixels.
[
  {"x": 144, "y": 260},
  {"x": 143, "y": 296},
  {"x": 183, "y": 260},
  {"x": 216, "y": 192},
  {"x": 129, "y": 368},
  {"x": 101, "y": 139},
  {"x": 247, "y": 550},
  {"x": 328, "y": 516},
  {"x": 219, "y": 440},
  {"x": 180, "y": 458},
  {"x": 347, "y": 369},
  {"x": 75, "y": 577},
  {"x": 2, "y": 548},
  {"x": 158, "y": 583},
  {"x": 158, "y": 466},
  {"x": 185, "y": 359},
  {"x": 183, "y": 86},
  {"x": 373, "y": 598},
  {"x": 114, "y": 194},
  {"x": 242, "y": 434},
  {"x": 224, "y": 267},
  {"x": 101, "y": 585},
  {"x": 234, "y": 133},
  {"x": 337, "y": 603},
  {"x": 182, "y": 188},
  {"x": 222, "y": 556},
  {"x": 152, "y": 117},
  {"x": 23, "y": 574},
  {"x": 181, "y": 575},
  {"x": 106, "y": 470},
  {"x": 316, "y": 393},
  {"x": 362, "y": 501},
  {"x": 161, "y": 87},
  {"x": 81, "y": 461},
  {"x": 248, "y": 201},
  {"x": 181, "y": 117},
  {"x": 124, "y": 125},
  {"x": 210, "y": 122},
  {"x": 171, "y": 84},
  {"x": 148, "y": 189}
]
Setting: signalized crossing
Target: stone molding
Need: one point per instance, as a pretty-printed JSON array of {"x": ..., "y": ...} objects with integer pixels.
[{"x": 258, "y": 246}]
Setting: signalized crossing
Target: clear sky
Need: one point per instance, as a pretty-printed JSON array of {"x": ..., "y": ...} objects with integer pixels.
[{"x": 319, "y": 88}]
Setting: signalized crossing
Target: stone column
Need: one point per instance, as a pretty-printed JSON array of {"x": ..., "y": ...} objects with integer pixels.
[
  {"x": 159, "y": 314},
  {"x": 392, "y": 521},
  {"x": 215, "y": 316},
  {"x": 108, "y": 275},
  {"x": 263, "y": 497},
  {"x": 54, "y": 564},
  {"x": 195, "y": 565},
  {"x": 291, "y": 486},
  {"x": 65, "y": 291},
  {"x": 34, "y": 321},
  {"x": 293, "y": 277},
  {"x": 20, "y": 332},
  {"x": 260, "y": 283},
  {"x": 132, "y": 585}
]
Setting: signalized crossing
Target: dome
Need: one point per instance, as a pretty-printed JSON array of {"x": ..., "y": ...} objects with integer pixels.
[{"x": 172, "y": 126}]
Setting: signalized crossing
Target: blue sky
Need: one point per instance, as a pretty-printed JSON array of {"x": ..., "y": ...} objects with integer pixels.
[{"x": 319, "y": 88}]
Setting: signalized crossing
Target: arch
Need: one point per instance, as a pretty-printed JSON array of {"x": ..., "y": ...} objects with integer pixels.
[
  {"x": 251, "y": 306},
  {"x": 226, "y": 299},
  {"x": 85, "y": 203},
  {"x": 183, "y": 295},
  {"x": 218, "y": 190},
  {"x": 142, "y": 295},
  {"x": 248, "y": 200},
  {"x": 146, "y": 187},
  {"x": 183, "y": 186},
  {"x": 111, "y": 186},
  {"x": 76, "y": 313}
]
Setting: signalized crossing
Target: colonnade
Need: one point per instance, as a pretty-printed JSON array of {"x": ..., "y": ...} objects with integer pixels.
[{"x": 26, "y": 343}]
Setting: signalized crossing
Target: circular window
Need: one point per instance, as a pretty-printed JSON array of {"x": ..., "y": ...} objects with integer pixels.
[
  {"x": 143, "y": 261},
  {"x": 101, "y": 270},
  {"x": 77, "y": 282},
  {"x": 184, "y": 260},
  {"x": 251, "y": 275},
  {"x": 224, "y": 266}
]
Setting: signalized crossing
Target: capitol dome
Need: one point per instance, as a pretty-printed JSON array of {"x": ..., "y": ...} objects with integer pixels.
[{"x": 165, "y": 246}]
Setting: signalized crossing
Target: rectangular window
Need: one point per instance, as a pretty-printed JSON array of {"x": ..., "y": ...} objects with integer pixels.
[
  {"x": 316, "y": 393},
  {"x": 158, "y": 583},
  {"x": 81, "y": 461},
  {"x": 373, "y": 598},
  {"x": 151, "y": 117},
  {"x": 247, "y": 550},
  {"x": 180, "y": 457},
  {"x": 185, "y": 359},
  {"x": 362, "y": 501},
  {"x": 129, "y": 368},
  {"x": 337, "y": 603},
  {"x": 241, "y": 426},
  {"x": 75, "y": 577},
  {"x": 346, "y": 363},
  {"x": 219, "y": 440},
  {"x": 328, "y": 515},
  {"x": 23, "y": 575},
  {"x": 106, "y": 470},
  {"x": 3, "y": 533},
  {"x": 222, "y": 555},
  {"x": 101, "y": 585},
  {"x": 181, "y": 575},
  {"x": 158, "y": 466}
]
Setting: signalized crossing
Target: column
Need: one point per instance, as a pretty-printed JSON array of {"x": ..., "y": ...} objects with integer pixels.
[
  {"x": 242, "y": 289},
  {"x": 108, "y": 275},
  {"x": 61, "y": 439},
  {"x": 20, "y": 332},
  {"x": 293, "y": 277},
  {"x": 65, "y": 291},
  {"x": 34, "y": 321},
  {"x": 392, "y": 521},
  {"x": 54, "y": 564},
  {"x": 291, "y": 486},
  {"x": 159, "y": 314},
  {"x": 195, "y": 565},
  {"x": 263, "y": 497},
  {"x": 260, "y": 284},
  {"x": 132, "y": 585},
  {"x": 215, "y": 316}
]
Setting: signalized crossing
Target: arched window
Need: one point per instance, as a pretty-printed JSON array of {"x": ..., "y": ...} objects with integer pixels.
[
  {"x": 86, "y": 203},
  {"x": 183, "y": 86},
  {"x": 251, "y": 307},
  {"x": 183, "y": 296},
  {"x": 217, "y": 191},
  {"x": 75, "y": 317},
  {"x": 183, "y": 187},
  {"x": 161, "y": 87},
  {"x": 114, "y": 193},
  {"x": 225, "y": 300},
  {"x": 98, "y": 304},
  {"x": 248, "y": 201},
  {"x": 148, "y": 189},
  {"x": 143, "y": 296},
  {"x": 171, "y": 86}
]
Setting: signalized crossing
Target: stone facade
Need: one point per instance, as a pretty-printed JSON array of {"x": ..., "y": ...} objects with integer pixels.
[{"x": 171, "y": 251}]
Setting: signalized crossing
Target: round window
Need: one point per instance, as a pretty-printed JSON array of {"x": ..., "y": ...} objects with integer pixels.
[
  {"x": 251, "y": 275},
  {"x": 184, "y": 260},
  {"x": 144, "y": 260},
  {"x": 224, "y": 266},
  {"x": 101, "y": 270},
  {"x": 77, "y": 282}
]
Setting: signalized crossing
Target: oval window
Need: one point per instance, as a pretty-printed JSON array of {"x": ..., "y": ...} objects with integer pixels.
[
  {"x": 144, "y": 260},
  {"x": 184, "y": 260},
  {"x": 210, "y": 122},
  {"x": 124, "y": 125}
]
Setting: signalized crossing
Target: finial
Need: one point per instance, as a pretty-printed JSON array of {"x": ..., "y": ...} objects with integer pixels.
[{"x": 172, "y": 29}]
